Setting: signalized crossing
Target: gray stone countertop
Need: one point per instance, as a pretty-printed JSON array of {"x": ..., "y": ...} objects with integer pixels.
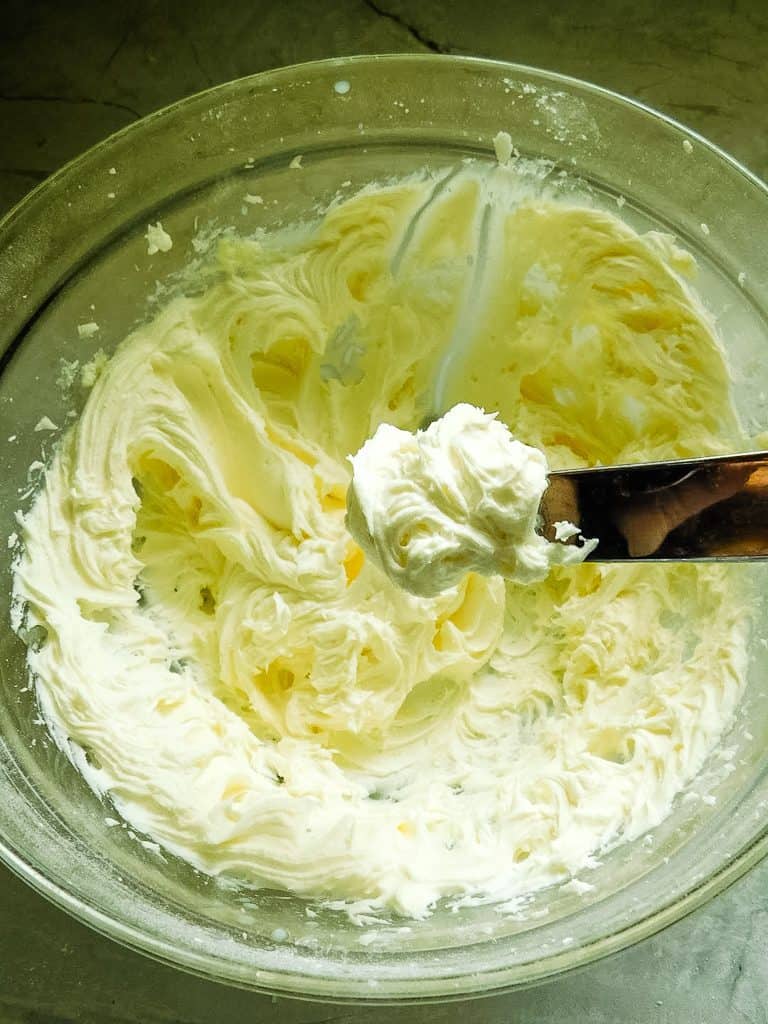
[{"x": 72, "y": 73}]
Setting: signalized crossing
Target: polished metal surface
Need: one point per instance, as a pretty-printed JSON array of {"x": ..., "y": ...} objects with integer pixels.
[{"x": 693, "y": 509}]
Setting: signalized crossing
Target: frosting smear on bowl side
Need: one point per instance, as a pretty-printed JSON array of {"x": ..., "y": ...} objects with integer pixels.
[{"x": 250, "y": 689}]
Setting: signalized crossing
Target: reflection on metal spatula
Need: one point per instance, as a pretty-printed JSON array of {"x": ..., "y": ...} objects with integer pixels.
[{"x": 694, "y": 509}]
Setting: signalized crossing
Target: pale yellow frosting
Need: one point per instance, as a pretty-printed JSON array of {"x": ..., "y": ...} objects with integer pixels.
[
  {"x": 256, "y": 695},
  {"x": 461, "y": 495}
]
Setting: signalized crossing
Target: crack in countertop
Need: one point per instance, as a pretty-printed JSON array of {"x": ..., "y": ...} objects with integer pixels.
[
  {"x": 412, "y": 30},
  {"x": 74, "y": 100}
]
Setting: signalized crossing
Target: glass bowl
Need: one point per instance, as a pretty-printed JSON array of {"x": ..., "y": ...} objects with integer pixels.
[{"x": 73, "y": 252}]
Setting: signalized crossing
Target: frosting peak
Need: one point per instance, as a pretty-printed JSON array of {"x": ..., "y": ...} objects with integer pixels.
[{"x": 460, "y": 496}]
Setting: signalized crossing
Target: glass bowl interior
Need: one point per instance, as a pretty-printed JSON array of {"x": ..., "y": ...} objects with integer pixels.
[{"x": 74, "y": 252}]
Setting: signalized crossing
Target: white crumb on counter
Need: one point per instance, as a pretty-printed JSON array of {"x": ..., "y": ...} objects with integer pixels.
[
  {"x": 158, "y": 239},
  {"x": 12, "y": 539},
  {"x": 45, "y": 423},
  {"x": 295, "y": 164},
  {"x": 687, "y": 146},
  {"x": 742, "y": 279},
  {"x": 113, "y": 170},
  {"x": 704, "y": 228},
  {"x": 254, "y": 200},
  {"x": 87, "y": 330}
]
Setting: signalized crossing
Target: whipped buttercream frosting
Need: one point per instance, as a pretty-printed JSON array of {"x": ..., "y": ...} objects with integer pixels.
[
  {"x": 246, "y": 687},
  {"x": 460, "y": 496}
]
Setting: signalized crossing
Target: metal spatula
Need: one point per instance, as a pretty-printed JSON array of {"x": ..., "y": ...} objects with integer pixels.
[{"x": 694, "y": 509}]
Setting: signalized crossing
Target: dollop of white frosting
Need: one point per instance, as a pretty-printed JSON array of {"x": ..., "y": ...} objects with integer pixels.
[{"x": 460, "y": 496}]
